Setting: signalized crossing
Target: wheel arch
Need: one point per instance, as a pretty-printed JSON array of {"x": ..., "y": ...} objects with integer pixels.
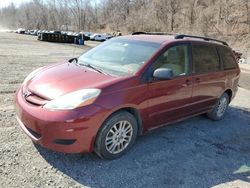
[
  {"x": 135, "y": 112},
  {"x": 230, "y": 94},
  {"x": 128, "y": 108},
  {"x": 132, "y": 110}
]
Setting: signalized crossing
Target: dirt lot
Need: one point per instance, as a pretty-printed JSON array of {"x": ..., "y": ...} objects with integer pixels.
[{"x": 194, "y": 153}]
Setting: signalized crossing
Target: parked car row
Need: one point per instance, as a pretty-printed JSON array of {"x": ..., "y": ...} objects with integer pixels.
[
  {"x": 81, "y": 35},
  {"x": 28, "y": 32},
  {"x": 63, "y": 34}
]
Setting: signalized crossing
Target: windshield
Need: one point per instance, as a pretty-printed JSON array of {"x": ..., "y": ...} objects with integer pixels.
[{"x": 119, "y": 57}]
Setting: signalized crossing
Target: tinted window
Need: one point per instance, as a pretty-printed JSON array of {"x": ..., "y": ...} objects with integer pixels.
[
  {"x": 205, "y": 59},
  {"x": 175, "y": 58},
  {"x": 227, "y": 58}
]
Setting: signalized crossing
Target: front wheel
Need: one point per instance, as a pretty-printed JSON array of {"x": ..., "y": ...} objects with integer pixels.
[
  {"x": 116, "y": 136},
  {"x": 219, "y": 110}
]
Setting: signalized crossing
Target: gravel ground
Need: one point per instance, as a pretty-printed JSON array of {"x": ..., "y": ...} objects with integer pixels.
[
  {"x": 245, "y": 78},
  {"x": 194, "y": 153}
]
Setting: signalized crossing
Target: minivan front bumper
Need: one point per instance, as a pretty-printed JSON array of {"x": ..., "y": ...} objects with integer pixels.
[{"x": 68, "y": 131}]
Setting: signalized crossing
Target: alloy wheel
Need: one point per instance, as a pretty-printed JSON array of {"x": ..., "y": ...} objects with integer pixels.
[
  {"x": 119, "y": 137},
  {"x": 222, "y": 106}
]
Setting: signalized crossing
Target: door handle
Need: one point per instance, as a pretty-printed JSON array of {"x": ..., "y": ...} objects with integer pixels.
[
  {"x": 188, "y": 82},
  {"x": 197, "y": 80}
]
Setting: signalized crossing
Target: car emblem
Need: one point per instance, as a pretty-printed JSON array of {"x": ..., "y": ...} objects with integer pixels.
[{"x": 26, "y": 93}]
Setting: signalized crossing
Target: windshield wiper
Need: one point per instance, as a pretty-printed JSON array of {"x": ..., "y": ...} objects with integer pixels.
[{"x": 93, "y": 67}]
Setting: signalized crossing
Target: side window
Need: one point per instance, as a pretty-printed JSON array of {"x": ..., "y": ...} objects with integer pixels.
[
  {"x": 175, "y": 58},
  {"x": 205, "y": 58},
  {"x": 227, "y": 58}
]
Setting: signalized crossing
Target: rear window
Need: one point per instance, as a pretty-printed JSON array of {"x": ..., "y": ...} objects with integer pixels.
[
  {"x": 205, "y": 58},
  {"x": 227, "y": 58}
]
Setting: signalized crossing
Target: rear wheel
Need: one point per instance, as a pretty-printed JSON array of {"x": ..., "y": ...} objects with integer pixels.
[
  {"x": 219, "y": 110},
  {"x": 117, "y": 135}
]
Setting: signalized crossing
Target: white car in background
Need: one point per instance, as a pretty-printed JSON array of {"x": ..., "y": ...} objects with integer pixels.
[
  {"x": 88, "y": 34},
  {"x": 20, "y": 31},
  {"x": 108, "y": 35},
  {"x": 98, "y": 37}
]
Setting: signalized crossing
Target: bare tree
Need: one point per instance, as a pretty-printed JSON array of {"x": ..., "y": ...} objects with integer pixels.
[
  {"x": 211, "y": 18},
  {"x": 174, "y": 7},
  {"x": 247, "y": 2}
]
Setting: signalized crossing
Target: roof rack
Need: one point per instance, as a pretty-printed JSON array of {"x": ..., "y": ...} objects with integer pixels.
[
  {"x": 197, "y": 37},
  {"x": 179, "y": 36},
  {"x": 151, "y": 33}
]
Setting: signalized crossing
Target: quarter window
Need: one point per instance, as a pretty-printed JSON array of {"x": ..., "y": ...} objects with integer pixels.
[
  {"x": 227, "y": 58},
  {"x": 205, "y": 59}
]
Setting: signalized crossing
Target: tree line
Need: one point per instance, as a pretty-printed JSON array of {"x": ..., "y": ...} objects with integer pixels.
[{"x": 227, "y": 18}]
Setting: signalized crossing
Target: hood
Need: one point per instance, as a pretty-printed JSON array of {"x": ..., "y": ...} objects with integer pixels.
[{"x": 63, "y": 78}]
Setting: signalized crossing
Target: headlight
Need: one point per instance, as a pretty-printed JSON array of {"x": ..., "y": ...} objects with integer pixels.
[
  {"x": 31, "y": 75},
  {"x": 73, "y": 100}
]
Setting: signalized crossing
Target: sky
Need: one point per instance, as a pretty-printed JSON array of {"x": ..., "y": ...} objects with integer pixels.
[{"x": 4, "y": 3}]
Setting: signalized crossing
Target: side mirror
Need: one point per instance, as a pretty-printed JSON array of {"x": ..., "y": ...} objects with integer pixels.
[
  {"x": 73, "y": 60},
  {"x": 163, "y": 74}
]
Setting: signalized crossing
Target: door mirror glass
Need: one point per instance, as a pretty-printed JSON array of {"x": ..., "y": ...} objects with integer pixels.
[{"x": 163, "y": 74}]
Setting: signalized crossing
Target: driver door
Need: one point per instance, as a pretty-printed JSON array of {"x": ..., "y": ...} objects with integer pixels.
[{"x": 171, "y": 99}]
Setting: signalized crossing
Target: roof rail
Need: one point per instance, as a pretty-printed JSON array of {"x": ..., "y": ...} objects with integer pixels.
[
  {"x": 179, "y": 36},
  {"x": 197, "y": 37},
  {"x": 151, "y": 33}
]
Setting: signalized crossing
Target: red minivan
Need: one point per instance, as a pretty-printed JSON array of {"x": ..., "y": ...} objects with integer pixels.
[{"x": 102, "y": 100}]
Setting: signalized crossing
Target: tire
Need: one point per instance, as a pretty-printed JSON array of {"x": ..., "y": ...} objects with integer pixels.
[
  {"x": 220, "y": 108},
  {"x": 116, "y": 136}
]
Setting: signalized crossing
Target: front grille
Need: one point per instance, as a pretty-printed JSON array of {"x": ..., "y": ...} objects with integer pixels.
[
  {"x": 34, "y": 133},
  {"x": 33, "y": 98}
]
